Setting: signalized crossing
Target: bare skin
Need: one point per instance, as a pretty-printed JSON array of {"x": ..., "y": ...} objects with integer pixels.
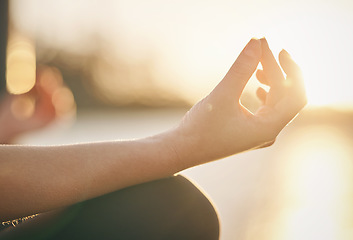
[
  {"x": 40, "y": 179},
  {"x": 221, "y": 126}
]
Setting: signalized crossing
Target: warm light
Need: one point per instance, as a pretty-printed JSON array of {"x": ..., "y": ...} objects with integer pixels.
[
  {"x": 318, "y": 183},
  {"x": 319, "y": 41},
  {"x": 310, "y": 223},
  {"x": 64, "y": 102},
  {"x": 189, "y": 45},
  {"x": 21, "y": 64}
]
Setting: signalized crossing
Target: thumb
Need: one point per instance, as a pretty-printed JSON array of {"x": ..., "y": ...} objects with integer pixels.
[{"x": 240, "y": 72}]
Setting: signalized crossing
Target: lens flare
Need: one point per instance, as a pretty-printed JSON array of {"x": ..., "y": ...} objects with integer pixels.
[
  {"x": 23, "y": 107},
  {"x": 21, "y": 64}
]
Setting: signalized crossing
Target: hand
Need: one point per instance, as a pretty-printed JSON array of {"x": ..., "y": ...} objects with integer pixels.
[
  {"x": 219, "y": 125},
  {"x": 48, "y": 100}
]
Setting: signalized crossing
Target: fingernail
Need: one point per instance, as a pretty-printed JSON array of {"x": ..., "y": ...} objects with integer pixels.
[
  {"x": 250, "y": 48},
  {"x": 263, "y": 40}
]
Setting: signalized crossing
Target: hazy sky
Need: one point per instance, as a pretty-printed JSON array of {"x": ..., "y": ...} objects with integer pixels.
[{"x": 194, "y": 42}]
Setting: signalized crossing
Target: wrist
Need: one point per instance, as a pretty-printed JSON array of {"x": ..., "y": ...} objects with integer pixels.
[
  {"x": 172, "y": 143},
  {"x": 184, "y": 147}
]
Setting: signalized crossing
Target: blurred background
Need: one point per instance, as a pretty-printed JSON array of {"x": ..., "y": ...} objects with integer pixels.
[{"x": 134, "y": 67}]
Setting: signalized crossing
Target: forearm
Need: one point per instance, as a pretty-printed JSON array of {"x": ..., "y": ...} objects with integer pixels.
[{"x": 38, "y": 179}]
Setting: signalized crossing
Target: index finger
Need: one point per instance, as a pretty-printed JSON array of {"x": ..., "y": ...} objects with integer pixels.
[
  {"x": 270, "y": 66},
  {"x": 240, "y": 72}
]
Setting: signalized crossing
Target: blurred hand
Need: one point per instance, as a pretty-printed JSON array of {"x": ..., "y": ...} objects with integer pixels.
[
  {"x": 48, "y": 100},
  {"x": 219, "y": 125}
]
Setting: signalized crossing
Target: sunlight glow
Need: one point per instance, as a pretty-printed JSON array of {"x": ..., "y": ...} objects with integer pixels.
[
  {"x": 318, "y": 41},
  {"x": 318, "y": 179},
  {"x": 190, "y": 45}
]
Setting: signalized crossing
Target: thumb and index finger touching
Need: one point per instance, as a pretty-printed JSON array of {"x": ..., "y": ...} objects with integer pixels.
[
  {"x": 282, "y": 86},
  {"x": 287, "y": 94},
  {"x": 256, "y": 51}
]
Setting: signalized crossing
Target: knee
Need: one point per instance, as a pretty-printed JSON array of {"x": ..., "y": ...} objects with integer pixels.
[
  {"x": 195, "y": 213},
  {"x": 170, "y": 208}
]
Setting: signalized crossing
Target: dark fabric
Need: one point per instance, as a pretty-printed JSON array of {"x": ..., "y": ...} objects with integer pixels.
[{"x": 171, "y": 208}]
